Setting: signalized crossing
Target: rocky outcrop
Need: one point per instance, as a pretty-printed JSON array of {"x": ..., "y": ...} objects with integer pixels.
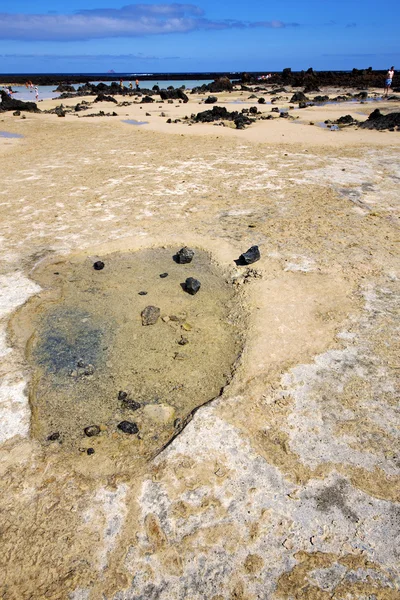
[
  {"x": 65, "y": 87},
  {"x": 220, "y": 113},
  {"x": 211, "y": 100},
  {"x": 299, "y": 97},
  {"x": 104, "y": 98},
  {"x": 377, "y": 120},
  {"x": 173, "y": 94},
  {"x": 7, "y": 103}
]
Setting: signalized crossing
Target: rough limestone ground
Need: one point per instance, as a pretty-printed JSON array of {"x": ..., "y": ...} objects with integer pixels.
[{"x": 287, "y": 485}]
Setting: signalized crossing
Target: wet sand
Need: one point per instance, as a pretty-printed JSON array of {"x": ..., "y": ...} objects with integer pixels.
[{"x": 285, "y": 486}]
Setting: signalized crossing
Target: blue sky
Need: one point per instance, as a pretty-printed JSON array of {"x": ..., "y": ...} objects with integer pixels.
[{"x": 98, "y": 35}]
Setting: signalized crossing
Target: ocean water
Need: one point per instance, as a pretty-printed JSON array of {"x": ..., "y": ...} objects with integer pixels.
[{"x": 47, "y": 91}]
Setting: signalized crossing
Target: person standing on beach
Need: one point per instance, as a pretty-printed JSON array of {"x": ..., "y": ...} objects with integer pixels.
[
  {"x": 137, "y": 84},
  {"x": 388, "y": 82},
  {"x": 36, "y": 93}
]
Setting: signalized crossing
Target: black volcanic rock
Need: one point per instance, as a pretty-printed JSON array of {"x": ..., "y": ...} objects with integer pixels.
[
  {"x": 184, "y": 255},
  {"x": 345, "y": 120},
  {"x": 8, "y": 103},
  {"x": 249, "y": 257},
  {"x": 222, "y": 84},
  {"x": 128, "y": 427},
  {"x": 65, "y": 87},
  {"x": 211, "y": 100},
  {"x": 377, "y": 120},
  {"x": 104, "y": 98},
  {"x": 298, "y": 97},
  {"x": 192, "y": 286},
  {"x": 173, "y": 94},
  {"x": 219, "y": 113}
]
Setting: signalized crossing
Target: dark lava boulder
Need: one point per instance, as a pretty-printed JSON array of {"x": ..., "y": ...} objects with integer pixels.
[
  {"x": 377, "y": 120},
  {"x": 211, "y": 100},
  {"x": 184, "y": 255},
  {"x": 222, "y": 84},
  {"x": 241, "y": 122},
  {"x": 321, "y": 98},
  {"x": 104, "y": 98},
  {"x": 298, "y": 97},
  {"x": 361, "y": 95},
  {"x": 59, "y": 111},
  {"x": 311, "y": 87},
  {"x": 174, "y": 94},
  {"x": 192, "y": 286},
  {"x": 65, "y": 87},
  {"x": 217, "y": 113},
  {"x": 146, "y": 100},
  {"x": 128, "y": 427},
  {"x": 249, "y": 257},
  {"x": 8, "y": 103},
  {"x": 345, "y": 120}
]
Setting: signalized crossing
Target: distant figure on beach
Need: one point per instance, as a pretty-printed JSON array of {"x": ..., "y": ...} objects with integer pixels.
[
  {"x": 121, "y": 84},
  {"x": 130, "y": 85},
  {"x": 36, "y": 93},
  {"x": 388, "y": 82},
  {"x": 137, "y": 84}
]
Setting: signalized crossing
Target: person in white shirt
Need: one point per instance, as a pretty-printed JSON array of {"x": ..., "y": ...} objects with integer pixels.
[{"x": 388, "y": 81}]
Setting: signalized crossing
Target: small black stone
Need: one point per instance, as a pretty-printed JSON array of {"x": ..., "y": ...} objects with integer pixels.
[
  {"x": 131, "y": 404},
  {"x": 90, "y": 451},
  {"x": 122, "y": 395},
  {"x": 184, "y": 255},
  {"x": 251, "y": 256},
  {"x": 142, "y": 293},
  {"x": 192, "y": 286},
  {"x": 164, "y": 275},
  {"x": 53, "y": 437},
  {"x": 128, "y": 427},
  {"x": 98, "y": 265},
  {"x": 92, "y": 430}
]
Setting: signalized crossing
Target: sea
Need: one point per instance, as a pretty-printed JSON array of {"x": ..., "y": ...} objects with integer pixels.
[{"x": 47, "y": 91}]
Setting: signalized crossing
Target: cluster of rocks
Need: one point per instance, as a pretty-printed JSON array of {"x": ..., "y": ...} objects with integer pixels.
[
  {"x": 221, "y": 84},
  {"x": 220, "y": 113},
  {"x": 377, "y": 120}
]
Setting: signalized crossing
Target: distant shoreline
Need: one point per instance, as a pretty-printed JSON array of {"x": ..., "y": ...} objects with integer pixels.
[{"x": 341, "y": 77}]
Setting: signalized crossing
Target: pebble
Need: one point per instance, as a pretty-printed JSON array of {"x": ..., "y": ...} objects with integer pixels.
[
  {"x": 150, "y": 315},
  {"x": 183, "y": 341},
  {"x": 98, "y": 265},
  {"x": 142, "y": 293},
  {"x": 92, "y": 430},
  {"x": 163, "y": 275},
  {"x": 185, "y": 255},
  {"x": 131, "y": 404},
  {"x": 53, "y": 437},
  {"x": 128, "y": 427},
  {"x": 90, "y": 451},
  {"x": 192, "y": 286}
]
